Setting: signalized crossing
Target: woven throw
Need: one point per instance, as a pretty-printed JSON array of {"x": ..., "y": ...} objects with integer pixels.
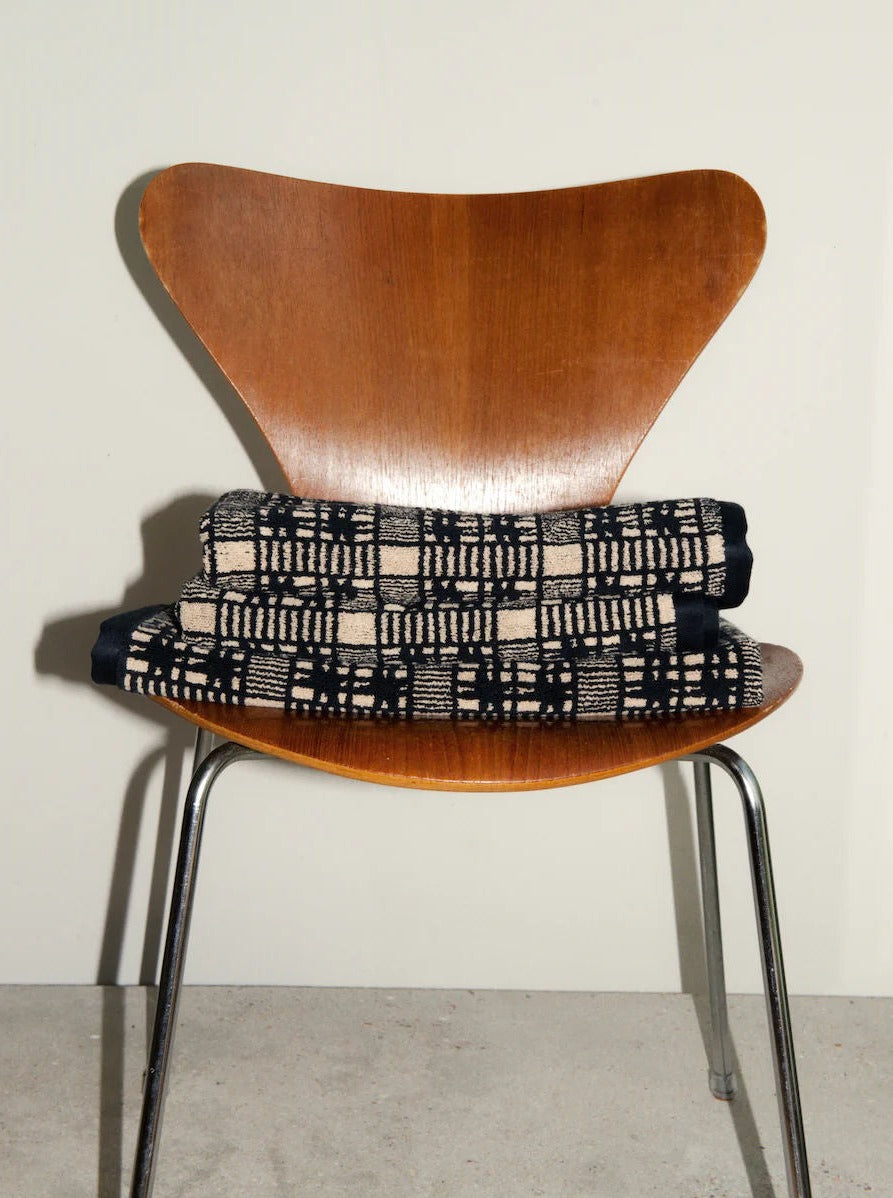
[
  {"x": 160, "y": 661},
  {"x": 365, "y": 629},
  {"x": 261, "y": 541}
]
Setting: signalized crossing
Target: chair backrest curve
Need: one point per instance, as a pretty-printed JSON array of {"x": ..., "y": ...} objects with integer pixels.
[{"x": 484, "y": 352}]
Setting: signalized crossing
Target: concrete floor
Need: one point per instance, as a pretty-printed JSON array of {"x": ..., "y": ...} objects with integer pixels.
[{"x": 448, "y": 1093}]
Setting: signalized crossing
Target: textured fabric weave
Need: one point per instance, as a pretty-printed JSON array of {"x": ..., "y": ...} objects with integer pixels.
[
  {"x": 161, "y": 661},
  {"x": 260, "y": 541},
  {"x": 407, "y": 613},
  {"x": 364, "y": 629}
]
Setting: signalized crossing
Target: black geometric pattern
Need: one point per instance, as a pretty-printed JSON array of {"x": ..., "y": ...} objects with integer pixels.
[
  {"x": 363, "y": 628},
  {"x": 409, "y": 613},
  {"x": 624, "y": 685},
  {"x": 262, "y": 541}
]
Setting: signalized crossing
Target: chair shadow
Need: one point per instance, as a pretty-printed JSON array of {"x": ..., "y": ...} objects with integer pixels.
[
  {"x": 171, "y": 320},
  {"x": 113, "y": 1082},
  {"x": 170, "y": 555},
  {"x": 685, "y": 875}
]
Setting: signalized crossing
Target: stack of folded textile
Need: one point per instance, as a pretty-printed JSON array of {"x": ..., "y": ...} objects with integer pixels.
[{"x": 369, "y": 610}]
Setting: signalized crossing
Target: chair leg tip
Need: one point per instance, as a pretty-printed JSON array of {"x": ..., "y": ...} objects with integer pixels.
[{"x": 723, "y": 1086}]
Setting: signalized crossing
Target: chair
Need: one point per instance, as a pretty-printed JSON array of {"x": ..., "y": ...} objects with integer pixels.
[{"x": 485, "y": 352}]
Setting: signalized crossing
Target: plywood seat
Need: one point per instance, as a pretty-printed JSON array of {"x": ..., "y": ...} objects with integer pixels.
[{"x": 446, "y": 755}]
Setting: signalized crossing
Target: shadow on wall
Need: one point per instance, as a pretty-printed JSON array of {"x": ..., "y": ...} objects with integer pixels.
[
  {"x": 170, "y": 555},
  {"x": 170, "y": 545},
  {"x": 206, "y": 370}
]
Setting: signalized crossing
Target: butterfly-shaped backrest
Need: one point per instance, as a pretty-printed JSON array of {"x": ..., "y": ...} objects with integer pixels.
[{"x": 484, "y": 352}]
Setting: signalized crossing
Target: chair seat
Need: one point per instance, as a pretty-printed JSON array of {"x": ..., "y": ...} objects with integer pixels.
[{"x": 451, "y": 755}]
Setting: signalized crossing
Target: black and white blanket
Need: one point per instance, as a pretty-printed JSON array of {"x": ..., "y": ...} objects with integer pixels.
[
  {"x": 362, "y": 627},
  {"x": 159, "y": 660},
  {"x": 260, "y": 541},
  {"x": 367, "y": 610}
]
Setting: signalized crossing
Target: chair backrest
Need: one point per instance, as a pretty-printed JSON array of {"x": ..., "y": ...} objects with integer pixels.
[{"x": 485, "y": 352}]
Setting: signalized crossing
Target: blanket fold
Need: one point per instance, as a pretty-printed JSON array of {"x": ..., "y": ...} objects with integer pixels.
[
  {"x": 160, "y": 661},
  {"x": 359, "y": 626},
  {"x": 361, "y": 610},
  {"x": 262, "y": 541}
]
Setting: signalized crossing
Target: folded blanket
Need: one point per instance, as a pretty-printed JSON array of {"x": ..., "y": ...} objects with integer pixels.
[
  {"x": 409, "y": 613},
  {"x": 260, "y": 541},
  {"x": 361, "y": 627},
  {"x": 145, "y": 652}
]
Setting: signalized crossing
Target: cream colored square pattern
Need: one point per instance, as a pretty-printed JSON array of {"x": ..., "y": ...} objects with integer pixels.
[
  {"x": 199, "y": 617},
  {"x": 716, "y": 549},
  {"x": 357, "y": 628},
  {"x": 235, "y": 556},
  {"x": 666, "y": 609},
  {"x": 399, "y": 559},
  {"x": 516, "y": 625},
  {"x": 562, "y": 559}
]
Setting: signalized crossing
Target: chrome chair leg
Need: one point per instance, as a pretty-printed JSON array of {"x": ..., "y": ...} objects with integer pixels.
[
  {"x": 723, "y": 1083},
  {"x": 204, "y": 743},
  {"x": 208, "y": 764},
  {"x": 786, "y": 1084},
  {"x": 206, "y": 771}
]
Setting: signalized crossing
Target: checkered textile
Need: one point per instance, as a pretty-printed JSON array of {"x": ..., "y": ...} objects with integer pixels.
[
  {"x": 365, "y": 629},
  {"x": 259, "y": 541},
  {"x": 161, "y": 661},
  {"x": 409, "y": 613}
]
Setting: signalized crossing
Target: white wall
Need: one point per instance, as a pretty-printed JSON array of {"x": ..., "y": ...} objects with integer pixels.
[{"x": 112, "y": 437}]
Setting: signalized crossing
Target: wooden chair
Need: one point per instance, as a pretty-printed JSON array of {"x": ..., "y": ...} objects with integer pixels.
[{"x": 482, "y": 352}]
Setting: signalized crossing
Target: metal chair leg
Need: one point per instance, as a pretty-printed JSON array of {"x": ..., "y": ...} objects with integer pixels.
[
  {"x": 786, "y": 1085},
  {"x": 723, "y": 1083},
  {"x": 207, "y": 766},
  {"x": 204, "y": 743},
  {"x": 206, "y": 771}
]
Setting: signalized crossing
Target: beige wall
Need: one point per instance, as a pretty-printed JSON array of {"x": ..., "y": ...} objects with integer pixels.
[{"x": 115, "y": 435}]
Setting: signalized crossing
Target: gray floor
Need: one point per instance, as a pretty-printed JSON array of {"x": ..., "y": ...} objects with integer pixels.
[{"x": 448, "y": 1093}]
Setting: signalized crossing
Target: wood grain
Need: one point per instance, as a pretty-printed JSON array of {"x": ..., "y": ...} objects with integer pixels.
[
  {"x": 485, "y": 352},
  {"x": 447, "y": 755},
  {"x": 482, "y": 352}
]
